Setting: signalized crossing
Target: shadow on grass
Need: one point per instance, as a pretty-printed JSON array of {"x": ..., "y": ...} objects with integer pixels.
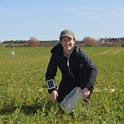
[
  {"x": 7, "y": 109},
  {"x": 26, "y": 109},
  {"x": 31, "y": 109}
]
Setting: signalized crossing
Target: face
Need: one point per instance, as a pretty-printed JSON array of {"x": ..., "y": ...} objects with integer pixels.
[{"x": 67, "y": 43}]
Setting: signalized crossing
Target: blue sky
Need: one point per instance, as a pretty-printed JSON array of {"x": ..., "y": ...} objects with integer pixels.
[{"x": 45, "y": 19}]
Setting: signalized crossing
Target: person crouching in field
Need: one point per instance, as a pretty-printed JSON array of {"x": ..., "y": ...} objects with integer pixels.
[{"x": 76, "y": 68}]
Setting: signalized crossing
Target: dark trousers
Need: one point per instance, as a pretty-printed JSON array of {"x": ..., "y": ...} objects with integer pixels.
[{"x": 66, "y": 86}]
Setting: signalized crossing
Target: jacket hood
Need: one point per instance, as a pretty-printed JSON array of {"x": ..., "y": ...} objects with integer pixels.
[{"x": 57, "y": 50}]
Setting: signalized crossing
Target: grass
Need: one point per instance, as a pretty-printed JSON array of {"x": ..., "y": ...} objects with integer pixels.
[{"x": 24, "y": 98}]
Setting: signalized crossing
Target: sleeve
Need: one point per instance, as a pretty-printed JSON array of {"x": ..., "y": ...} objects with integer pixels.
[
  {"x": 88, "y": 71},
  {"x": 51, "y": 73}
]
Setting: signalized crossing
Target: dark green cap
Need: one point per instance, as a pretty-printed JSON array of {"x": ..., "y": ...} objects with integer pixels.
[{"x": 67, "y": 33}]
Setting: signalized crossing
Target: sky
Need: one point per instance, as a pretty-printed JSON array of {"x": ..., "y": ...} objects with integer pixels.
[{"x": 45, "y": 19}]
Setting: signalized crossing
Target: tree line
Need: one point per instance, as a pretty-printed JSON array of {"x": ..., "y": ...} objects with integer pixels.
[{"x": 87, "y": 41}]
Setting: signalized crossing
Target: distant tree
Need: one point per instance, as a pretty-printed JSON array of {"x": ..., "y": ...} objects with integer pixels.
[
  {"x": 88, "y": 41},
  {"x": 33, "y": 42}
]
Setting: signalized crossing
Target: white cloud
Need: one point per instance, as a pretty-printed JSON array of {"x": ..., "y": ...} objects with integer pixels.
[
  {"x": 95, "y": 13},
  {"x": 86, "y": 13},
  {"x": 116, "y": 12}
]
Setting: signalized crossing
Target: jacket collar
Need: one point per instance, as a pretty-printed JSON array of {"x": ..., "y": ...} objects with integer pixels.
[{"x": 58, "y": 50}]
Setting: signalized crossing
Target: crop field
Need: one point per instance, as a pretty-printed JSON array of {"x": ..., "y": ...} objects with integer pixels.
[{"x": 24, "y": 98}]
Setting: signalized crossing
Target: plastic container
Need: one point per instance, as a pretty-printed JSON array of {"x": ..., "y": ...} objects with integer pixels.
[{"x": 71, "y": 99}]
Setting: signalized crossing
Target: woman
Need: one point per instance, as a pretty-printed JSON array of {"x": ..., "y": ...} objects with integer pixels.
[{"x": 76, "y": 68}]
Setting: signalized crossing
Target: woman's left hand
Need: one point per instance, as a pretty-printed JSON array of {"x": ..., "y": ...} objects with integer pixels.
[{"x": 85, "y": 93}]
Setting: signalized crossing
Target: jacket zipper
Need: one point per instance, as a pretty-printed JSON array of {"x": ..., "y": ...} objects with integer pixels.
[{"x": 69, "y": 67}]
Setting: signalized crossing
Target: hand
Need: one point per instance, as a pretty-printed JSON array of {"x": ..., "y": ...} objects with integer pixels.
[
  {"x": 85, "y": 93},
  {"x": 54, "y": 95}
]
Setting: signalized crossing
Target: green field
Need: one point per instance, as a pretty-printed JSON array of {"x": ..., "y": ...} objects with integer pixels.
[{"x": 24, "y": 98}]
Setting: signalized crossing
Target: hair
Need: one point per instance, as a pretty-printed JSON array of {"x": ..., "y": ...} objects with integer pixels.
[{"x": 73, "y": 39}]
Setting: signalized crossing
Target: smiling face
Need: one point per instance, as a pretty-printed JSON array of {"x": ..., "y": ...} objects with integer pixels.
[{"x": 67, "y": 43}]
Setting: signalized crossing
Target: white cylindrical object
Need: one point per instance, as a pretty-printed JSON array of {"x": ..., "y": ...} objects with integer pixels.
[{"x": 71, "y": 99}]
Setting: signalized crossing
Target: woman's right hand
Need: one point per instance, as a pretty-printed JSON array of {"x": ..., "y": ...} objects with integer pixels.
[{"x": 54, "y": 95}]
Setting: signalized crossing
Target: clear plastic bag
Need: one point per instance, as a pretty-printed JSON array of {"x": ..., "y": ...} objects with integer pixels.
[{"x": 71, "y": 99}]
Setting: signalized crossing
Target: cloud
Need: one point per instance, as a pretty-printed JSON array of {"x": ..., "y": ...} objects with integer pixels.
[
  {"x": 86, "y": 13},
  {"x": 95, "y": 13},
  {"x": 116, "y": 12}
]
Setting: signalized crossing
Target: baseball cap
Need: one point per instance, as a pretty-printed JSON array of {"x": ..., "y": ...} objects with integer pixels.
[{"x": 67, "y": 33}]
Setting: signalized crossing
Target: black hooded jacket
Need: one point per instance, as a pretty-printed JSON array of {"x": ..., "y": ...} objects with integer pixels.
[{"x": 77, "y": 70}]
